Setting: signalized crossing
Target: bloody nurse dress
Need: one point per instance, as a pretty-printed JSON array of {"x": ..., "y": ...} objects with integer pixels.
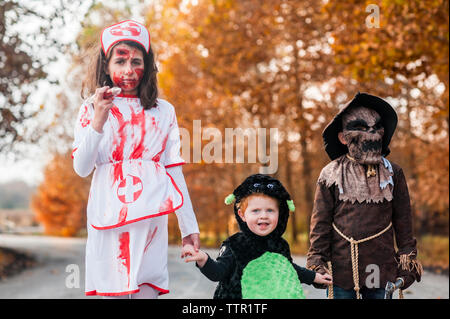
[{"x": 130, "y": 196}]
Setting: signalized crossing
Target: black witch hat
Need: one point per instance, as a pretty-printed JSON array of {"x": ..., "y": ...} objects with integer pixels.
[{"x": 335, "y": 148}]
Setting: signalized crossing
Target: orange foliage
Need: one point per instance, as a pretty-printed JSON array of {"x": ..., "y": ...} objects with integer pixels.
[
  {"x": 61, "y": 199},
  {"x": 290, "y": 64}
]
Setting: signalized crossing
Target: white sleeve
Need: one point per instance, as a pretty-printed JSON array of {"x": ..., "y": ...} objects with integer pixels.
[
  {"x": 171, "y": 155},
  {"x": 85, "y": 144},
  {"x": 185, "y": 215}
]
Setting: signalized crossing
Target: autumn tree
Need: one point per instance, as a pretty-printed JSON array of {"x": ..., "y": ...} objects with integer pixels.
[
  {"x": 252, "y": 64},
  {"x": 17, "y": 69},
  {"x": 29, "y": 42},
  {"x": 399, "y": 50},
  {"x": 61, "y": 199},
  {"x": 289, "y": 65},
  {"x": 184, "y": 83}
]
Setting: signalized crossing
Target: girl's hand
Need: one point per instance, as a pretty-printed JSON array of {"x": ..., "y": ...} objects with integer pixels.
[
  {"x": 192, "y": 239},
  {"x": 199, "y": 256},
  {"x": 102, "y": 106},
  {"x": 325, "y": 279}
]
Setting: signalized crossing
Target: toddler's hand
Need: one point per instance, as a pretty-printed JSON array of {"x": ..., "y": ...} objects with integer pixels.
[
  {"x": 199, "y": 256},
  {"x": 186, "y": 250},
  {"x": 325, "y": 279}
]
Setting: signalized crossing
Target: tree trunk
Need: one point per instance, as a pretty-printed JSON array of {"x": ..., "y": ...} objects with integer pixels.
[
  {"x": 305, "y": 176},
  {"x": 288, "y": 169}
]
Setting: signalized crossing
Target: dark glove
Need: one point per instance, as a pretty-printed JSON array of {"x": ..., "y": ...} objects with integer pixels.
[
  {"x": 409, "y": 269},
  {"x": 408, "y": 278}
]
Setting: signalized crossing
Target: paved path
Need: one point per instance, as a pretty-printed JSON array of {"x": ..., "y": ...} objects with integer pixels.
[{"x": 50, "y": 279}]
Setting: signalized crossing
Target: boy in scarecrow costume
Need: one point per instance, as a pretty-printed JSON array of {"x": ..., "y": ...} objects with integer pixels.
[{"x": 361, "y": 201}]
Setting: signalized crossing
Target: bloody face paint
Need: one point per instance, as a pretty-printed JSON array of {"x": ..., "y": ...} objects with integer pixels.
[
  {"x": 126, "y": 68},
  {"x": 363, "y": 133}
]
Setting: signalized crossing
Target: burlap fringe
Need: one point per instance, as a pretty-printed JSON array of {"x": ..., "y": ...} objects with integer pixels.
[
  {"x": 410, "y": 263},
  {"x": 331, "y": 175}
]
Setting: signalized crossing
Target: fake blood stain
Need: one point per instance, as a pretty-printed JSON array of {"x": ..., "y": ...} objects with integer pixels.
[
  {"x": 124, "y": 53},
  {"x": 124, "y": 255},
  {"x": 129, "y": 77},
  {"x": 117, "y": 154},
  {"x": 73, "y": 151},
  {"x": 166, "y": 205},
  {"x": 139, "y": 121},
  {"x": 150, "y": 237},
  {"x": 136, "y": 124},
  {"x": 123, "y": 214},
  {"x": 124, "y": 83},
  {"x": 84, "y": 119},
  {"x": 157, "y": 157},
  {"x": 139, "y": 72}
]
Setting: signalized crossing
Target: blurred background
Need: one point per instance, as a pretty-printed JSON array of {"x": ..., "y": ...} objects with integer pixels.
[{"x": 250, "y": 64}]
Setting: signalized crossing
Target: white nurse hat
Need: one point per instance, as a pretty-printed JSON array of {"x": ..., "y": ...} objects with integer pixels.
[{"x": 127, "y": 30}]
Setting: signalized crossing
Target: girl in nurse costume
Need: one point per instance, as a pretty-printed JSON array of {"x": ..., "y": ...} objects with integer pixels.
[{"x": 132, "y": 140}]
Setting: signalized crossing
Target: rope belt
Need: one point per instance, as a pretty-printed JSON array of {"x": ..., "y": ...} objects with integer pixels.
[{"x": 354, "y": 255}]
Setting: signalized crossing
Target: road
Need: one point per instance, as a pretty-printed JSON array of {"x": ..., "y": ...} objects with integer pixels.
[{"x": 59, "y": 259}]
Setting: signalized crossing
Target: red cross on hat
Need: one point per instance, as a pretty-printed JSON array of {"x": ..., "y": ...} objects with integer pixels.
[{"x": 127, "y": 30}]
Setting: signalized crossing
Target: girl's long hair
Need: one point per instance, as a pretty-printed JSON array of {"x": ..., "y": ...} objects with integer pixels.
[{"x": 96, "y": 76}]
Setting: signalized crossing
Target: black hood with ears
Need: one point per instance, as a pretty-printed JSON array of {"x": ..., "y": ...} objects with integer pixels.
[{"x": 263, "y": 184}]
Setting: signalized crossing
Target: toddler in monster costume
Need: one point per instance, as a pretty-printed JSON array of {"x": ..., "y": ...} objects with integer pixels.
[{"x": 256, "y": 262}]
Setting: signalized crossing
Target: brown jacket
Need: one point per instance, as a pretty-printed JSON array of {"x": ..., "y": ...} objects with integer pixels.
[{"x": 361, "y": 220}]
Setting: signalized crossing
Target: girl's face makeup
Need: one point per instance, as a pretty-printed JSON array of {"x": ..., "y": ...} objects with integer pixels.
[
  {"x": 261, "y": 214},
  {"x": 126, "y": 68}
]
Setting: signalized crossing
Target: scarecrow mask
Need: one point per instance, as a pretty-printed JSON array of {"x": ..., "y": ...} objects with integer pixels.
[{"x": 362, "y": 133}]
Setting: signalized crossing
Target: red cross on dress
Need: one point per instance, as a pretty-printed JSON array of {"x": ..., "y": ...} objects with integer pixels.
[{"x": 129, "y": 189}]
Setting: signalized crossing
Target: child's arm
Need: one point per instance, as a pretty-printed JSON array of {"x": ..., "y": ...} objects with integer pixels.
[
  {"x": 172, "y": 161},
  {"x": 199, "y": 256},
  {"x": 321, "y": 229},
  {"x": 409, "y": 268},
  {"x": 305, "y": 276},
  {"x": 324, "y": 279},
  {"x": 86, "y": 141},
  {"x": 187, "y": 221},
  {"x": 308, "y": 277},
  {"x": 88, "y": 130},
  {"x": 215, "y": 270}
]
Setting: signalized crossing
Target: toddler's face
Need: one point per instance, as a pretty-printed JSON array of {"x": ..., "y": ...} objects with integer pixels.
[
  {"x": 126, "y": 68},
  {"x": 261, "y": 214}
]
